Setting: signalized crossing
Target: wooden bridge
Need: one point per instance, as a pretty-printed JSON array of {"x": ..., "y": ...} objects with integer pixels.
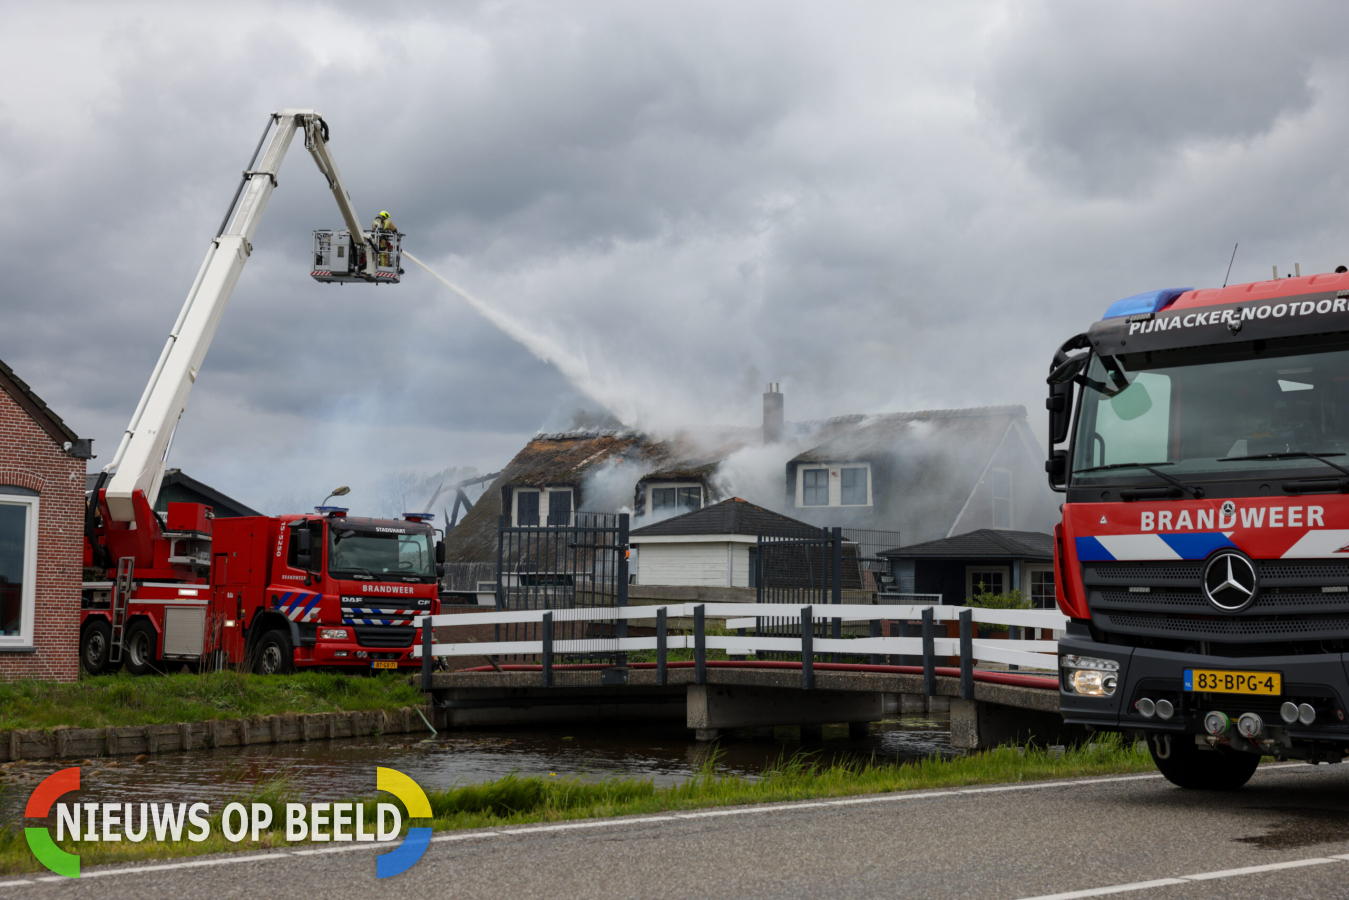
[{"x": 988, "y": 707}]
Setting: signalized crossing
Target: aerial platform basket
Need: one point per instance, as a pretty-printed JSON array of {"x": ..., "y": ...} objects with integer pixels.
[{"x": 338, "y": 258}]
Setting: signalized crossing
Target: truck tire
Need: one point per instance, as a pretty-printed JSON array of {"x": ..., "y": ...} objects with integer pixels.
[
  {"x": 94, "y": 643},
  {"x": 138, "y": 649},
  {"x": 1220, "y": 769},
  {"x": 274, "y": 655}
]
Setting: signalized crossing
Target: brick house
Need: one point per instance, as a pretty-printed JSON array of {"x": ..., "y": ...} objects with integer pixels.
[{"x": 42, "y": 466}]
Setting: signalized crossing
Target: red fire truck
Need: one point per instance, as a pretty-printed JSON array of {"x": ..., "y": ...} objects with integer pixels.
[
  {"x": 279, "y": 592},
  {"x": 269, "y": 593},
  {"x": 1203, "y": 556}
]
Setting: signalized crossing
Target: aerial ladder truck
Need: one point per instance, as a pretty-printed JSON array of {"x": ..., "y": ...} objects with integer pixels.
[{"x": 269, "y": 593}]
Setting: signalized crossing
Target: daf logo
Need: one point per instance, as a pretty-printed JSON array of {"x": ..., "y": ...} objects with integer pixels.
[{"x": 1230, "y": 582}]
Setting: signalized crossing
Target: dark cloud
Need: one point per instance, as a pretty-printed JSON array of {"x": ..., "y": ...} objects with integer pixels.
[{"x": 882, "y": 207}]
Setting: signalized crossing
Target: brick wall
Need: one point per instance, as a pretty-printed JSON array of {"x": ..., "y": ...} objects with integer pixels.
[{"x": 29, "y": 458}]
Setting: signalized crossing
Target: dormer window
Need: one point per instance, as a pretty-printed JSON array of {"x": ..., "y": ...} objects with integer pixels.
[
  {"x": 542, "y": 506},
  {"x": 847, "y": 484},
  {"x": 667, "y": 499}
]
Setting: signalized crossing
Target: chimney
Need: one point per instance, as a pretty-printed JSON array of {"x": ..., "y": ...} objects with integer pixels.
[{"x": 772, "y": 414}]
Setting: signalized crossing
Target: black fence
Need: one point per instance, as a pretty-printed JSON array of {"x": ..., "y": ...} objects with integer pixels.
[
  {"x": 816, "y": 566},
  {"x": 572, "y": 570}
]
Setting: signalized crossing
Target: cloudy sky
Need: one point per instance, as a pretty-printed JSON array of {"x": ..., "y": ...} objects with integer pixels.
[{"x": 882, "y": 206}]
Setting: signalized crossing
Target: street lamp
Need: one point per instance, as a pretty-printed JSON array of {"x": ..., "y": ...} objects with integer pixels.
[{"x": 337, "y": 492}]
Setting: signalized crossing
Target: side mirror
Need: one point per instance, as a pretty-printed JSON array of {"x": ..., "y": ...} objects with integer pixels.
[
  {"x": 440, "y": 552},
  {"x": 1060, "y": 408},
  {"x": 440, "y": 570},
  {"x": 303, "y": 540},
  {"x": 302, "y": 558},
  {"x": 1056, "y": 467}
]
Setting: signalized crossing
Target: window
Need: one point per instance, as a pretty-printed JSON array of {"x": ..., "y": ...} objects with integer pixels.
[
  {"x": 853, "y": 487},
  {"x": 815, "y": 487},
  {"x": 527, "y": 509},
  {"x": 380, "y": 553},
  {"x": 1042, "y": 589},
  {"x": 315, "y": 548},
  {"x": 18, "y": 566},
  {"x": 559, "y": 507},
  {"x": 676, "y": 500},
  {"x": 985, "y": 580},
  {"x": 1002, "y": 498},
  {"x": 753, "y": 567}
]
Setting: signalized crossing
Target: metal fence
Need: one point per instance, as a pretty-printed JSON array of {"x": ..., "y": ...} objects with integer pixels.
[
  {"x": 799, "y": 569},
  {"x": 466, "y": 576},
  {"x": 571, "y": 570}
]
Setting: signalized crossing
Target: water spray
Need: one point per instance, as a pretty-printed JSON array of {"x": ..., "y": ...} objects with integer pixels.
[{"x": 576, "y": 369}]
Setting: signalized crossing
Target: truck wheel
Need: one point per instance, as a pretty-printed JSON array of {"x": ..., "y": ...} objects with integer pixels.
[
  {"x": 139, "y": 649},
  {"x": 1220, "y": 769},
  {"x": 94, "y": 643},
  {"x": 274, "y": 654}
]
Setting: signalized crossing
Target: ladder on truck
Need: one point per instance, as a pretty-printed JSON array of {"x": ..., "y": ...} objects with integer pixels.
[{"x": 121, "y": 596}]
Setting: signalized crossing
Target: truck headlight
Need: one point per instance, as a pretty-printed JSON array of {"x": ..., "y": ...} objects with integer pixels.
[
  {"x": 334, "y": 634},
  {"x": 1089, "y": 675}
]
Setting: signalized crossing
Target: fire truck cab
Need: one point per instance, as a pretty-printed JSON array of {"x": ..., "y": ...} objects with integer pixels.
[{"x": 1201, "y": 438}]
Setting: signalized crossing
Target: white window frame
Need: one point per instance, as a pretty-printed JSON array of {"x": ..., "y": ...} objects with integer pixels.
[
  {"x": 970, "y": 583},
  {"x": 28, "y": 598},
  {"x": 515, "y": 505},
  {"x": 1030, "y": 571},
  {"x": 546, "y": 504},
  {"x": 993, "y": 498},
  {"x": 835, "y": 471},
  {"x": 656, "y": 485}
]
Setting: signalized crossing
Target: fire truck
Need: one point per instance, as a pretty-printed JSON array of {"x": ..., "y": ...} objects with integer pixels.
[
  {"x": 269, "y": 593},
  {"x": 1202, "y": 440}
]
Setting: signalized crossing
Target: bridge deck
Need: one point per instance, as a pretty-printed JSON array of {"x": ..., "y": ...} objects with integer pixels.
[{"x": 741, "y": 698}]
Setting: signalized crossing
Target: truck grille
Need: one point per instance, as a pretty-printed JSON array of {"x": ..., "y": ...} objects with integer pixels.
[
  {"x": 385, "y": 635},
  {"x": 1291, "y": 604}
]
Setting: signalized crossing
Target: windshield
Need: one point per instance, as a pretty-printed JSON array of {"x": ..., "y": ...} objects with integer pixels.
[
  {"x": 1192, "y": 414},
  {"x": 380, "y": 553}
]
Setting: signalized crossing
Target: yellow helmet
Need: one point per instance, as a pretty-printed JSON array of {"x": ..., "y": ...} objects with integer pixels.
[{"x": 384, "y": 214}]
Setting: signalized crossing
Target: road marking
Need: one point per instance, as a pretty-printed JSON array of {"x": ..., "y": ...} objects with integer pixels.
[
  {"x": 1190, "y": 879},
  {"x": 702, "y": 814}
]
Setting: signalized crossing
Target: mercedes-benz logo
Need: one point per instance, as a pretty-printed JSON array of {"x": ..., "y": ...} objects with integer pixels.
[{"x": 1230, "y": 582}]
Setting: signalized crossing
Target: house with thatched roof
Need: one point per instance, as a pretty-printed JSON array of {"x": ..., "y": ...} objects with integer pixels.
[{"x": 928, "y": 474}]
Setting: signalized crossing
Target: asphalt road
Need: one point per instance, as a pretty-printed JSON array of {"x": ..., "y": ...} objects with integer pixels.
[{"x": 1014, "y": 841}]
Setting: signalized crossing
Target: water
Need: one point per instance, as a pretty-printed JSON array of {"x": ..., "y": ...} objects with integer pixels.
[{"x": 329, "y": 770}]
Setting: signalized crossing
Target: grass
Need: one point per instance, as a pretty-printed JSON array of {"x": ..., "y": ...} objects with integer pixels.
[
  {"x": 517, "y": 800},
  {"x": 124, "y": 699}
]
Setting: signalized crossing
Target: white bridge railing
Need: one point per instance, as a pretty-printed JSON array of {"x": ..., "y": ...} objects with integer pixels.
[{"x": 1030, "y": 654}]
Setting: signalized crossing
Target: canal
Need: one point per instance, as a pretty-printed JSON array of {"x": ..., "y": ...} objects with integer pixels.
[{"x": 328, "y": 770}]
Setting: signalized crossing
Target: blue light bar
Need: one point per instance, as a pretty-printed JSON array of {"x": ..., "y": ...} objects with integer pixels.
[
  {"x": 419, "y": 517},
  {"x": 1150, "y": 302},
  {"x": 331, "y": 510}
]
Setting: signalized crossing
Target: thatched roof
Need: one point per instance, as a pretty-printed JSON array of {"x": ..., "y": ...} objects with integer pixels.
[{"x": 548, "y": 460}]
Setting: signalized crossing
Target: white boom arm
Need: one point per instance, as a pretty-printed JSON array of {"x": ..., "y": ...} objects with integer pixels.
[{"x": 141, "y": 457}]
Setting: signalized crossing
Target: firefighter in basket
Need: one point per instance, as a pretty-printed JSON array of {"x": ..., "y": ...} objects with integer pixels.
[{"x": 383, "y": 223}]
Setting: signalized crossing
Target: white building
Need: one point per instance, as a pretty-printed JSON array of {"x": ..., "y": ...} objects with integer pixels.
[{"x": 709, "y": 547}]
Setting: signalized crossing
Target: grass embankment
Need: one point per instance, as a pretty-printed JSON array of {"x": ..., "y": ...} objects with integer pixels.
[
  {"x": 516, "y": 800},
  {"x": 124, "y": 699}
]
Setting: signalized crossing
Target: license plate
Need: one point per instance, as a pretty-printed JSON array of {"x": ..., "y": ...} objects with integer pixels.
[
  {"x": 383, "y": 663},
  {"x": 1222, "y": 681}
]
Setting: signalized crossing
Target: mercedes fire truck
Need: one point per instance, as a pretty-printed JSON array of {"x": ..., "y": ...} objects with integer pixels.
[
  {"x": 1202, "y": 440},
  {"x": 269, "y": 593}
]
